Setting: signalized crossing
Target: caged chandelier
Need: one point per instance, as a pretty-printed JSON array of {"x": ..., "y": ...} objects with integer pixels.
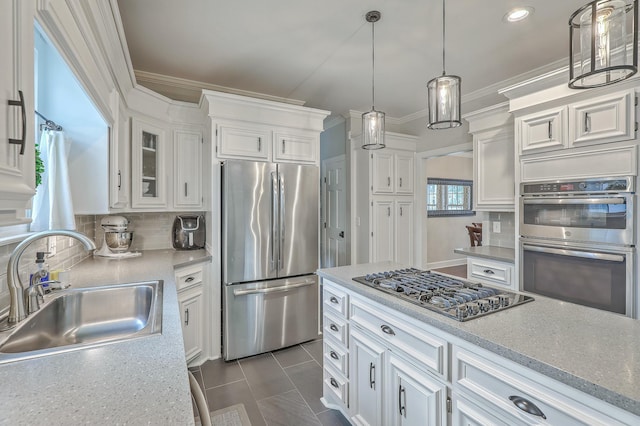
[
  {"x": 444, "y": 95},
  {"x": 373, "y": 121},
  {"x": 603, "y": 43}
]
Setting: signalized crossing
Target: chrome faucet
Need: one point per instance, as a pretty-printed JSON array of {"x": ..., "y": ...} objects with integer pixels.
[{"x": 17, "y": 292}]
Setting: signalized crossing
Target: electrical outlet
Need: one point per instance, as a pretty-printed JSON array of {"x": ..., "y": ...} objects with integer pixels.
[
  {"x": 51, "y": 246},
  {"x": 496, "y": 227}
]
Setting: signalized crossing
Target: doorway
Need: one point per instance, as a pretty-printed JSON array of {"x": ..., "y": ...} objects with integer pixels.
[{"x": 334, "y": 212}]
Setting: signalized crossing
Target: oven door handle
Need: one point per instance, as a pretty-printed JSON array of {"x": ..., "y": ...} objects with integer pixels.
[
  {"x": 274, "y": 289},
  {"x": 617, "y": 200},
  {"x": 575, "y": 253}
]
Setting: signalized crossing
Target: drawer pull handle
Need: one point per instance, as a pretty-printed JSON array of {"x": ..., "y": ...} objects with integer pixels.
[
  {"x": 549, "y": 130},
  {"x": 334, "y": 300},
  {"x": 387, "y": 330},
  {"x": 372, "y": 374},
  {"x": 526, "y": 406},
  {"x": 334, "y": 383},
  {"x": 488, "y": 271},
  {"x": 333, "y": 327},
  {"x": 188, "y": 280},
  {"x": 334, "y": 355},
  {"x": 186, "y": 316},
  {"x": 402, "y": 399},
  {"x": 388, "y": 181},
  {"x": 23, "y": 138}
]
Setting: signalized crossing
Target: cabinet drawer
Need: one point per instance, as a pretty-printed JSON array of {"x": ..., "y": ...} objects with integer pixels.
[
  {"x": 335, "y": 300},
  {"x": 335, "y": 327},
  {"x": 336, "y": 357},
  {"x": 490, "y": 272},
  {"x": 335, "y": 385},
  {"x": 424, "y": 347},
  {"x": 493, "y": 385},
  {"x": 299, "y": 148},
  {"x": 243, "y": 142},
  {"x": 188, "y": 277}
]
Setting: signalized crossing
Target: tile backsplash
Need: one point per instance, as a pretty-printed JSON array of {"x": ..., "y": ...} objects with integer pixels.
[{"x": 506, "y": 237}]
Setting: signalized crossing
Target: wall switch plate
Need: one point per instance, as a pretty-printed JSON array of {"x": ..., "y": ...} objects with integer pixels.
[
  {"x": 51, "y": 246},
  {"x": 496, "y": 227}
]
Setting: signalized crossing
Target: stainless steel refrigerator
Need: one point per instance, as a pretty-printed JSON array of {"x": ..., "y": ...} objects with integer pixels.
[{"x": 270, "y": 226}]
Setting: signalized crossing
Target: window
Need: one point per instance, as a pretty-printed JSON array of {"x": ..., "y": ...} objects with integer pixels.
[{"x": 449, "y": 197}]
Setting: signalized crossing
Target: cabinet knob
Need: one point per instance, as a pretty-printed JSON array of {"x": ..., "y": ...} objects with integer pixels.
[
  {"x": 334, "y": 383},
  {"x": 334, "y": 300},
  {"x": 188, "y": 280},
  {"x": 387, "y": 330},
  {"x": 488, "y": 271},
  {"x": 334, "y": 355},
  {"x": 333, "y": 327}
]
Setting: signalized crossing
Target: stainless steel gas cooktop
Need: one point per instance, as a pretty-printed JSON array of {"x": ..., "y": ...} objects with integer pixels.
[{"x": 456, "y": 298}]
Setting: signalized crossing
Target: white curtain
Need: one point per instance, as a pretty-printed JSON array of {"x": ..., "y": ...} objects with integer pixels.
[{"x": 52, "y": 204}]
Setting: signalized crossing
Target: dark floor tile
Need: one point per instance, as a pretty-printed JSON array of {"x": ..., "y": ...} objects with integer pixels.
[
  {"x": 332, "y": 418},
  {"x": 308, "y": 380},
  {"x": 287, "y": 409},
  {"x": 315, "y": 349},
  {"x": 218, "y": 372},
  {"x": 265, "y": 376},
  {"x": 235, "y": 393},
  {"x": 292, "y": 356}
]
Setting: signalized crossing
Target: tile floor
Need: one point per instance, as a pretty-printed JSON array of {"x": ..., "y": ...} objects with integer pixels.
[
  {"x": 459, "y": 271},
  {"x": 279, "y": 388}
]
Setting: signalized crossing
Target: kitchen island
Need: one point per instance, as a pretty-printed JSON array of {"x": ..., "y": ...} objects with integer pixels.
[
  {"x": 580, "y": 349},
  {"x": 138, "y": 381}
]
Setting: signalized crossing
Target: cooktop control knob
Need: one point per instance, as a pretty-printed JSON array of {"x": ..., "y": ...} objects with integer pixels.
[{"x": 504, "y": 299}]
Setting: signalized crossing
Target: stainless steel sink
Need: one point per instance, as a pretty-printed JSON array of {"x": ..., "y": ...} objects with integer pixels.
[{"x": 87, "y": 317}]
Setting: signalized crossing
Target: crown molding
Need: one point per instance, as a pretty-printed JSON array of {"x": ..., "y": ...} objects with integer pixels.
[
  {"x": 194, "y": 88},
  {"x": 333, "y": 121}
]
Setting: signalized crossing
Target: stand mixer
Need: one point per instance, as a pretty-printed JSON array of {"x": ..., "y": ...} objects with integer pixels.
[{"x": 117, "y": 239}]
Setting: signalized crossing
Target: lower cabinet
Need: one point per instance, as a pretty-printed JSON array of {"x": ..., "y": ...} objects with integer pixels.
[
  {"x": 367, "y": 359},
  {"x": 492, "y": 272},
  {"x": 189, "y": 282}
]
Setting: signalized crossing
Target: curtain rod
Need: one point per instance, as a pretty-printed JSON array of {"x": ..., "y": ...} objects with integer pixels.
[{"x": 50, "y": 125}]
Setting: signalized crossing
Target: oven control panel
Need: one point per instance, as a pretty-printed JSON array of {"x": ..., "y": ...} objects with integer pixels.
[{"x": 607, "y": 185}]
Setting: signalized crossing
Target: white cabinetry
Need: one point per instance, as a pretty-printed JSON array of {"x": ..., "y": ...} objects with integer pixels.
[
  {"x": 392, "y": 172},
  {"x": 119, "y": 150},
  {"x": 602, "y": 119},
  {"x": 403, "y": 231},
  {"x": 404, "y": 173},
  {"x": 190, "y": 285},
  {"x": 493, "y": 159},
  {"x": 392, "y": 231},
  {"x": 148, "y": 165},
  {"x": 260, "y": 130},
  {"x": 335, "y": 303},
  {"x": 492, "y": 272},
  {"x": 367, "y": 359},
  {"x": 187, "y": 169},
  {"x": 17, "y": 148}
]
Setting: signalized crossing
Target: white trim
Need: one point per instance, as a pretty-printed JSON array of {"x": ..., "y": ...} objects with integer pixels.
[
  {"x": 447, "y": 263},
  {"x": 333, "y": 121},
  {"x": 439, "y": 152}
]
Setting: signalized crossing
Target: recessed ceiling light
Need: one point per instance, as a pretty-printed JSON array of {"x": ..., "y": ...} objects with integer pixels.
[{"x": 518, "y": 14}]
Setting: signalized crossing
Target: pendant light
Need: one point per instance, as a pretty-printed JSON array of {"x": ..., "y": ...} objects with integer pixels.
[
  {"x": 373, "y": 121},
  {"x": 444, "y": 95},
  {"x": 598, "y": 45}
]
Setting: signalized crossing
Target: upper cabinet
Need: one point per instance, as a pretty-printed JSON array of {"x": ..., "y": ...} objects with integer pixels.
[
  {"x": 392, "y": 172},
  {"x": 17, "y": 147},
  {"x": 148, "y": 166},
  {"x": 187, "y": 169},
  {"x": 259, "y": 130},
  {"x": 119, "y": 150},
  {"x": 493, "y": 159},
  {"x": 602, "y": 119}
]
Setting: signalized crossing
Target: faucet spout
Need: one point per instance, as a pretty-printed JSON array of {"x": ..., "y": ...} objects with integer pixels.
[{"x": 17, "y": 311}]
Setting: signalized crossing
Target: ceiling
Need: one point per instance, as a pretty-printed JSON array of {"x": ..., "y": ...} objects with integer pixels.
[{"x": 319, "y": 52}]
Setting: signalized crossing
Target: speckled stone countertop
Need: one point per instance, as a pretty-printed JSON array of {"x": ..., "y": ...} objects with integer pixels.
[
  {"x": 502, "y": 254},
  {"x": 594, "y": 351},
  {"x": 134, "y": 382}
]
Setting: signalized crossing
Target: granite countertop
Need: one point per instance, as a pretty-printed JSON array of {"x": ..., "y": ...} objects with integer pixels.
[
  {"x": 134, "y": 382},
  {"x": 502, "y": 254},
  {"x": 594, "y": 351}
]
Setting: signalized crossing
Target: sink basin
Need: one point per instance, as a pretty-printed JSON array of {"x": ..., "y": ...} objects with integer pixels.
[{"x": 87, "y": 317}]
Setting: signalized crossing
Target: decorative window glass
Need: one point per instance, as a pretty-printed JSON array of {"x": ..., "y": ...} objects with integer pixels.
[{"x": 449, "y": 197}]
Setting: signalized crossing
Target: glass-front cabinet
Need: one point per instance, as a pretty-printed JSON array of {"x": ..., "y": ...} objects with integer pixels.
[{"x": 148, "y": 171}]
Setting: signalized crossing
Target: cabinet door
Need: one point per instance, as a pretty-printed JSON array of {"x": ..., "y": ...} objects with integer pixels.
[
  {"x": 366, "y": 363},
  {"x": 382, "y": 176},
  {"x": 413, "y": 396},
  {"x": 119, "y": 148},
  {"x": 382, "y": 239},
  {"x": 404, "y": 174},
  {"x": 608, "y": 118},
  {"x": 243, "y": 142},
  {"x": 148, "y": 167},
  {"x": 494, "y": 161},
  {"x": 17, "y": 160},
  {"x": 187, "y": 169},
  {"x": 542, "y": 131},
  {"x": 404, "y": 232},
  {"x": 297, "y": 148},
  {"x": 191, "y": 314}
]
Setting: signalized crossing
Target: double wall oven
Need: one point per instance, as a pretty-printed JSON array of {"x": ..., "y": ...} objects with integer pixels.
[{"x": 578, "y": 241}]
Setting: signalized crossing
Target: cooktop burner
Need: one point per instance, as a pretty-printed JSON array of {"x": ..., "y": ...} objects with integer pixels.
[{"x": 456, "y": 298}]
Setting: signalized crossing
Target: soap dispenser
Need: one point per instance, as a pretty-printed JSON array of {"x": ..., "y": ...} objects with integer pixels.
[{"x": 42, "y": 272}]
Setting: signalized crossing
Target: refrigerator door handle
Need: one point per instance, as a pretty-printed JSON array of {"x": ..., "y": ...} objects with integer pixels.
[
  {"x": 283, "y": 288},
  {"x": 274, "y": 216},
  {"x": 282, "y": 222}
]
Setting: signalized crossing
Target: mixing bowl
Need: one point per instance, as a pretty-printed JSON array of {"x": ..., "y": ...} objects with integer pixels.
[{"x": 118, "y": 241}]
